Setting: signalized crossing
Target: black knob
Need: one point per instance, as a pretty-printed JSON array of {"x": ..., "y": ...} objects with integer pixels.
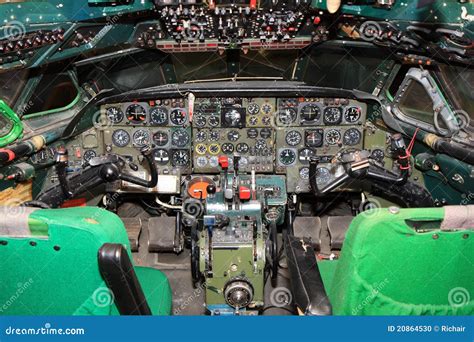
[{"x": 211, "y": 189}]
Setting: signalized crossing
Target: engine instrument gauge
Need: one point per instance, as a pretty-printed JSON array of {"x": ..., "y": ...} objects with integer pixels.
[
  {"x": 120, "y": 138},
  {"x": 287, "y": 156},
  {"x": 287, "y": 116},
  {"x": 141, "y": 138},
  {"x": 178, "y": 116},
  {"x": 180, "y": 138},
  {"x": 213, "y": 121},
  {"x": 314, "y": 137},
  {"x": 253, "y": 121},
  {"x": 352, "y": 137},
  {"x": 352, "y": 114},
  {"x": 180, "y": 158},
  {"x": 266, "y": 120},
  {"x": 252, "y": 133},
  {"x": 136, "y": 113},
  {"x": 332, "y": 115},
  {"x": 214, "y": 136},
  {"x": 161, "y": 156},
  {"x": 253, "y": 108},
  {"x": 160, "y": 138},
  {"x": 333, "y": 137},
  {"x": 233, "y": 136},
  {"x": 310, "y": 113},
  {"x": 88, "y": 155},
  {"x": 159, "y": 116},
  {"x": 114, "y": 115},
  {"x": 227, "y": 148},
  {"x": 201, "y": 161},
  {"x": 293, "y": 138},
  {"x": 214, "y": 149},
  {"x": 201, "y": 136},
  {"x": 201, "y": 149},
  {"x": 304, "y": 173},
  {"x": 242, "y": 148},
  {"x": 267, "y": 108},
  {"x": 197, "y": 187},
  {"x": 305, "y": 154},
  {"x": 378, "y": 155},
  {"x": 260, "y": 144},
  {"x": 323, "y": 176},
  {"x": 265, "y": 133},
  {"x": 200, "y": 120}
]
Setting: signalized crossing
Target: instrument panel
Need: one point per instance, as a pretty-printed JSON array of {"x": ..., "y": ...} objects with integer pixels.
[{"x": 271, "y": 135}]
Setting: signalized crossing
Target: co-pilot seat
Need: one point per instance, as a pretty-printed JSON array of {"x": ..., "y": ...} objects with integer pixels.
[
  {"x": 74, "y": 261},
  {"x": 393, "y": 262}
]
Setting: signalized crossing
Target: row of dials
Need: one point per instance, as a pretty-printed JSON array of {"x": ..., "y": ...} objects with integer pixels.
[
  {"x": 315, "y": 113},
  {"x": 141, "y": 113},
  {"x": 179, "y": 137},
  {"x": 318, "y": 136}
]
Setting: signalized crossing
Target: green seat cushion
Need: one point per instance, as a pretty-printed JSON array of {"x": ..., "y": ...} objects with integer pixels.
[
  {"x": 327, "y": 268},
  {"x": 156, "y": 288},
  {"x": 388, "y": 268}
]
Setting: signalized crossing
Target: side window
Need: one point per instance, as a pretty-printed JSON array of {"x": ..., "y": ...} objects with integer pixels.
[
  {"x": 416, "y": 103},
  {"x": 53, "y": 92}
]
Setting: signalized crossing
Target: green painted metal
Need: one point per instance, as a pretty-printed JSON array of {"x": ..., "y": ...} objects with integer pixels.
[{"x": 14, "y": 121}]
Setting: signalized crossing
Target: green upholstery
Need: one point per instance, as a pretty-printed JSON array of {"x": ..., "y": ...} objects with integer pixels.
[
  {"x": 387, "y": 268},
  {"x": 55, "y": 270}
]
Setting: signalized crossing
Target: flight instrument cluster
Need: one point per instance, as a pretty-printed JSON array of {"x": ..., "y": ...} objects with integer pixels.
[{"x": 270, "y": 135}]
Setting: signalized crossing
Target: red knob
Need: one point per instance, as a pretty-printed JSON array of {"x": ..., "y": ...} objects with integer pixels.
[
  {"x": 244, "y": 193},
  {"x": 224, "y": 162}
]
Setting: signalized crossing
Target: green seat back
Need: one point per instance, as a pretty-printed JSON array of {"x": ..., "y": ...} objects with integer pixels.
[
  {"x": 386, "y": 267},
  {"x": 54, "y": 270}
]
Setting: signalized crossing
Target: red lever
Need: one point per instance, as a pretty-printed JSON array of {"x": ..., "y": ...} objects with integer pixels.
[
  {"x": 224, "y": 162},
  {"x": 244, "y": 193}
]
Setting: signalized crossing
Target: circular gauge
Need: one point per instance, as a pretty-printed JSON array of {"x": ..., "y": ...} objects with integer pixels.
[
  {"x": 265, "y": 133},
  {"x": 304, "y": 173},
  {"x": 214, "y": 136},
  {"x": 293, "y": 138},
  {"x": 136, "y": 113},
  {"x": 252, "y": 133},
  {"x": 201, "y": 161},
  {"x": 266, "y": 120},
  {"x": 213, "y": 121},
  {"x": 201, "y": 149},
  {"x": 352, "y": 114},
  {"x": 378, "y": 155},
  {"x": 201, "y": 136},
  {"x": 159, "y": 116},
  {"x": 313, "y": 138},
  {"x": 253, "y": 108},
  {"x": 233, "y": 117},
  {"x": 287, "y": 156},
  {"x": 214, "y": 161},
  {"x": 178, "y": 116},
  {"x": 287, "y": 116},
  {"x": 260, "y": 144},
  {"x": 141, "y": 138},
  {"x": 323, "y": 176},
  {"x": 114, "y": 114},
  {"x": 253, "y": 121},
  {"x": 160, "y": 138},
  {"x": 267, "y": 108},
  {"x": 305, "y": 154},
  {"x": 180, "y": 158},
  {"x": 333, "y": 137},
  {"x": 352, "y": 137},
  {"x": 310, "y": 112},
  {"x": 161, "y": 156},
  {"x": 233, "y": 136},
  {"x": 242, "y": 148},
  {"x": 227, "y": 148},
  {"x": 180, "y": 138},
  {"x": 332, "y": 115},
  {"x": 214, "y": 149},
  {"x": 120, "y": 138},
  {"x": 88, "y": 155},
  {"x": 199, "y": 120}
]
